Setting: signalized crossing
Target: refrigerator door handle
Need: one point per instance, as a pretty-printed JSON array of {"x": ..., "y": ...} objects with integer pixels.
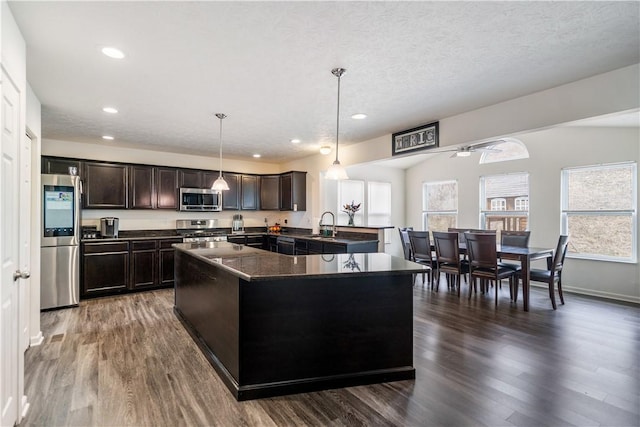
[{"x": 21, "y": 275}]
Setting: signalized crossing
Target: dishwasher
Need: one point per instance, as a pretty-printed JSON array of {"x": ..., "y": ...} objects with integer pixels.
[{"x": 286, "y": 245}]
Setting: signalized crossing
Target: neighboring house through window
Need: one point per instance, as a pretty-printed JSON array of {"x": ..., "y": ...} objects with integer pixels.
[{"x": 504, "y": 202}]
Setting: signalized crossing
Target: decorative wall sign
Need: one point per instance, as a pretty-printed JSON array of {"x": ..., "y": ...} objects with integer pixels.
[{"x": 420, "y": 138}]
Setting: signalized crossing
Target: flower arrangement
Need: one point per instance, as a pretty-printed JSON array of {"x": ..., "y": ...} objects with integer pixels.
[{"x": 351, "y": 209}]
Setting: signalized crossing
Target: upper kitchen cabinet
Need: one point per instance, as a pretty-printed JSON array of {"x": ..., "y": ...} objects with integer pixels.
[
  {"x": 270, "y": 192},
  {"x": 249, "y": 192},
  {"x": 105, "y": 185},
  {"x": 193, "y": 178},
  {"x": 190, "y": 178},
  {"x": 142, "y": 187},
  {"x": 56, "y": 165},
  {"x": 293, "y": 191},
  {"x": 231, "y": 197},
  {"x": 166, "y": 180}
]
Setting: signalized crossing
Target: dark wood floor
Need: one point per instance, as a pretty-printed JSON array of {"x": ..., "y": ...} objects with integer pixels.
[{"x": 127, "y": 361}]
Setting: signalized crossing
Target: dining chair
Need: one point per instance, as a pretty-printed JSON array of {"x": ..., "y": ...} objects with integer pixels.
[
  {"x": 406, "y": 244},
  {"x": 448, "y": 259},
  {"x": 553, "y": 273},
  {"x": 483, "y": 261},
  {"x": 517, "y": 238},
  {"x": 421, "y": 251}
]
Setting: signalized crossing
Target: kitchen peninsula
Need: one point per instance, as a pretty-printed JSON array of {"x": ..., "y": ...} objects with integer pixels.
[{"x": 273, "y": 324}]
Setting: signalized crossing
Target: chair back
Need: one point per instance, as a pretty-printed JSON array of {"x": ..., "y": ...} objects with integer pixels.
[
  {"x": 561, "y": 252},
  {"x": 420, "y": 244},
  {"x": 404, "y": 239},
  {"x": 518, "y": 239},
  {"x": 461, "y": 231},
  {"x": 481, "y": 249},
  {"x": 447, "y": 247}
]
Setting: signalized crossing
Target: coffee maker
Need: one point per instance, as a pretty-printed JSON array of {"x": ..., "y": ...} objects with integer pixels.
[
  {"x": 237, "y": 225},
  {"x": 109, "y": 227}
]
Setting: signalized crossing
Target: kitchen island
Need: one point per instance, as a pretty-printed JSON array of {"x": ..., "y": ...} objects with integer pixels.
[{"x": 273, "y": 324}]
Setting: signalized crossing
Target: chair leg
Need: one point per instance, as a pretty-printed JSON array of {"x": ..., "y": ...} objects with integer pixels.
[
  {"x": 496, "y": 286},
  {"x": 552, "y": 295},
  {"x": 560, "y": 291},
  {"x": 472, "y": 285},
  {"x": 459, "y": 283}
]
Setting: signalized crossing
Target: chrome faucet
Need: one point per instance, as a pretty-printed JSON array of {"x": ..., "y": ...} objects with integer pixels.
[{"x": 333, "y": 224}]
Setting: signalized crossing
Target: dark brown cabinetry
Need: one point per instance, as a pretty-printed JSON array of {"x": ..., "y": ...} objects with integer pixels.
[
  {"x": 60, "y": 166},
  {"x": 293, "y": 191},
  {"x": 270, "y": 192},
  {"x": 165, "y": 260},
  {"x": 249, "y": 192},
  {"x": 118, "y": 267},
  {"x": 231, "y": 198},
  {"x": 105, "y": 185},
  {"x": 144, "y": 262},
  {"x": 142, "y": 187},
  {"x": 253, "y": 240},
  {"x": 166, "y": 188},
  {"x": 105, "y": 268},
  {"x": 190, "y": 178}
]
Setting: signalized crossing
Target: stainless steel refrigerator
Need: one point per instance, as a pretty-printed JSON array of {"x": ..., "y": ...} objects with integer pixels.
[{"x": 60, "y": 241}]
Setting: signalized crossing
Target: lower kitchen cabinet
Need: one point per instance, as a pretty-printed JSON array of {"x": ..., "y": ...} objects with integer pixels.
[
  {"x": 105, "y": 268},
  {"x": 253, "y": 240},
  {"x": 110, "y": 268}
]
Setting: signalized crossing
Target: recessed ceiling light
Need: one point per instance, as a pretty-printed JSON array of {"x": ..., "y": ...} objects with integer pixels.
[
  {"x": 113, "y": 52},
  {"x": 359, "y": 116},
  {"x": 295, "y": 141},
  {"x": 325, "y": 149},
  {"x": 108, "y": 137},
  {"x": 110, "y": 110},
  {"x": 257, "y": 156}
]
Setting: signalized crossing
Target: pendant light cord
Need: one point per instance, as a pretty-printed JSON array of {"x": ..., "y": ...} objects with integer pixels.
[
  {"x": 338, "y": 118},
  {"x": 221, "y": 116}
]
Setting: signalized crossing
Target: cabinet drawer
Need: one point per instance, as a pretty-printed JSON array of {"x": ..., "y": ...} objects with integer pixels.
[
  {"x": 142, "y": 245},
  {"x": 254, "y": 240},
  {"x": 96, "y": 248},
  {"x": 314, "y": 247},
  {"x": 166, "y": 244}
]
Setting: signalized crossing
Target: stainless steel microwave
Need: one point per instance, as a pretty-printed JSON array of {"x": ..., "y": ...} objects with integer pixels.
[{"x": 200, "y": 200}]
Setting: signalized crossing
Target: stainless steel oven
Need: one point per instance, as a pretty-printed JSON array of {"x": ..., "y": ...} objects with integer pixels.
[{"x": 200, "y": 231}]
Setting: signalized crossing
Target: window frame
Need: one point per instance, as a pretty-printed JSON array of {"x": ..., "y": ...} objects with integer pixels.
[
  {"x": 371, "y": 212},
  {"x": 426, "y": 212},
  {"x": 566, "y": 213},
  {"x": 484, "y": 212}
]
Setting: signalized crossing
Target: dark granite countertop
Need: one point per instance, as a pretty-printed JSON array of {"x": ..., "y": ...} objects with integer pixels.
[{"x": 255, "y": 264}]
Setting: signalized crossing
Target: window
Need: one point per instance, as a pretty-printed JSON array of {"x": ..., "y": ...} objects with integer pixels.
[
  {"x": 439, "y": 205},
  {"x": 522, "y": 204},
  {"x": 350, "y": 190},
  {"x": 599, "y": 211},
  {"x": 507, "y": 194},
  {"x": 379, "y": 208},
  {"x": 510, "y": 149},
  {"x": 499, "y": 204}
]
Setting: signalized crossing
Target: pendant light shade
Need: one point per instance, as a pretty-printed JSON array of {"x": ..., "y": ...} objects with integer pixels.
[
  {"x": 336, "y": 171},
  {"x": 220, "y": 184}
]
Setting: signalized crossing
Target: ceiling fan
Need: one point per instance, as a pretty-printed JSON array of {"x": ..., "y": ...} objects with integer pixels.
[{"x": 483, "y": 147}]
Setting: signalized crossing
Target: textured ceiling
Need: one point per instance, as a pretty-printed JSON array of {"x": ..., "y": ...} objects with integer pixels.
[{"x": 267, "y": 66}]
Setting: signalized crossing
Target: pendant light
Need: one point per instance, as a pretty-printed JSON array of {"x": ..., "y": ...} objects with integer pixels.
[
  {"x": 220, "y": 184},
  {"x": 336, "y": 171}
]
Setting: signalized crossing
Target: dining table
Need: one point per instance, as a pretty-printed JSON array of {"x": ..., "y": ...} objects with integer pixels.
[{"x": 523, "y": 254}]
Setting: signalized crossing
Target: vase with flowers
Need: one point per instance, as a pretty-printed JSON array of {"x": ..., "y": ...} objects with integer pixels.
[{"x": 350, "y": 210}]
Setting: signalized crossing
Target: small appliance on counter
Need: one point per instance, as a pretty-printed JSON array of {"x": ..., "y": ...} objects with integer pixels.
[
  {"x": 237, "y": 225},
  {"x": 109, "y": 227},
  {"x": 90, "y": 232}
]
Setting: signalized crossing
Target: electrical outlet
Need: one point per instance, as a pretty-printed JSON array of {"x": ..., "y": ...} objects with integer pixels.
[{"x": 285, "y": 221}]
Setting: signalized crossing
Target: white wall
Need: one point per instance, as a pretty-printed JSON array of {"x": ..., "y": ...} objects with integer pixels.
[{"x": 550, "y": 151}]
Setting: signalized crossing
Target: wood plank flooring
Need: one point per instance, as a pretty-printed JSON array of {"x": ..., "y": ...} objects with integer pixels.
[{"x": 127, "y": 361}]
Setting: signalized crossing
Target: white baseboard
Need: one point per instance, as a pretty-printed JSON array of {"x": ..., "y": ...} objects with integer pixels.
[
  {"x": 594, "y": 293},
  {"x": 37, "y": 340},
  {"x": 24, "y": 404}
]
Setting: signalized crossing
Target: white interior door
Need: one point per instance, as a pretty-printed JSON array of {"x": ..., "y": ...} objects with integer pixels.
[
  {"x": 9, "y": 251},
  {"x": 25, "y": 219}
]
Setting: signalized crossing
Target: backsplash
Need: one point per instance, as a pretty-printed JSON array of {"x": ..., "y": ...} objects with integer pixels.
[{"x": 131, "y": 219}]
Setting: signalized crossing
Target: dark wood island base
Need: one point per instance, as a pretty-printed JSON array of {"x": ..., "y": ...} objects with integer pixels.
[{"x": 273, "y": 324}]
